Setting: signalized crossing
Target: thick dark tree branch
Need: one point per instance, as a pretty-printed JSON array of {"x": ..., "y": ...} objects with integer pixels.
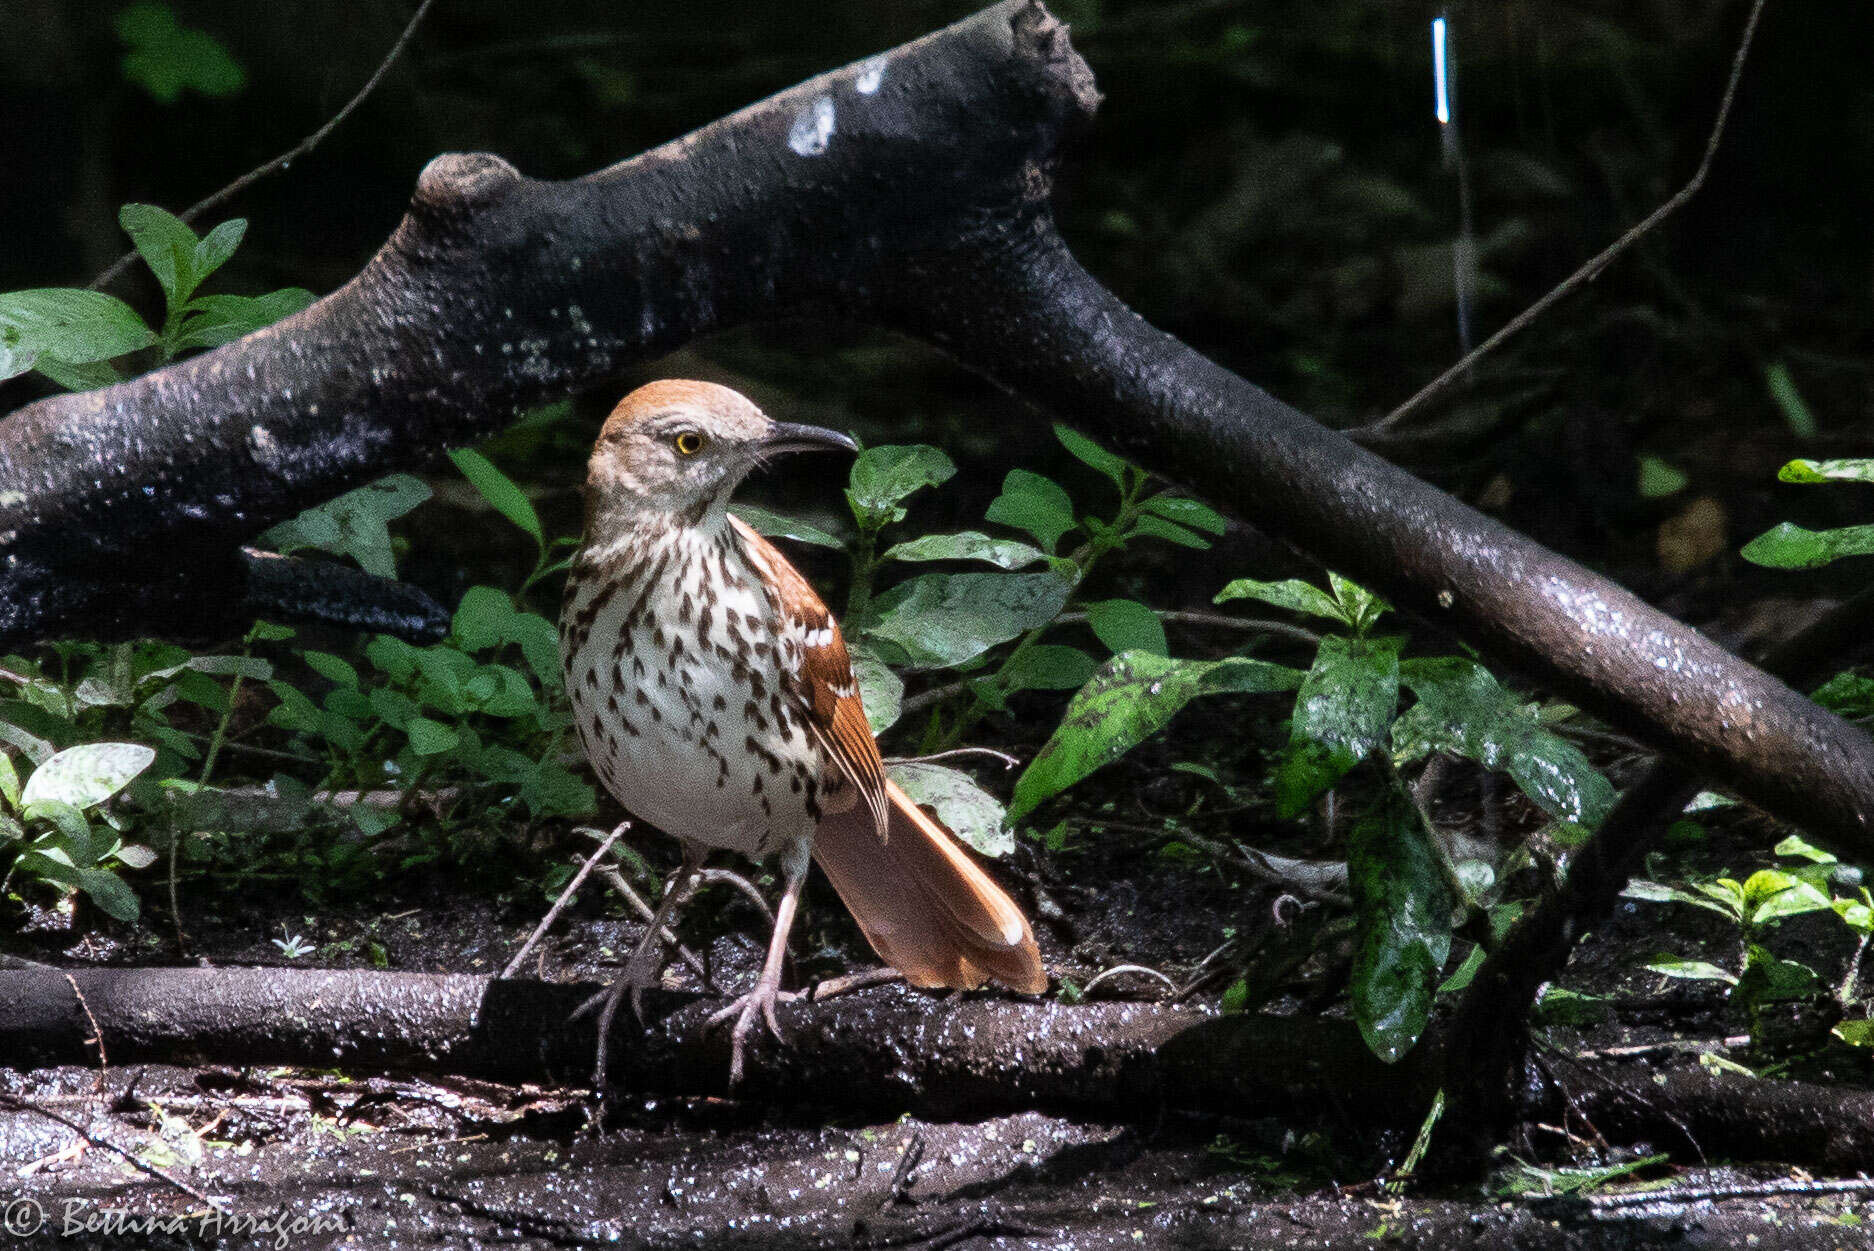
[{"x": 884, "y": 1051}]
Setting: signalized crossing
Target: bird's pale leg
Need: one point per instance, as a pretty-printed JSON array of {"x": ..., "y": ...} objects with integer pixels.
[
  {"x": 641, "y": 966},
  {"x": 758, "y": 1004}
]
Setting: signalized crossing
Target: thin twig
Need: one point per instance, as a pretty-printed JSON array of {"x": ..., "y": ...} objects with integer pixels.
[
  {"x": 559, "y": 905},
  {"x": 729, "y": 877},
  {"x": 97, "y": 1034},
  {"x": 285, "y": 159},
  {"x": 1747, "y": 1190},
  {"x": 1119, "y": 969},
  {"x": 26, "y": 1105},
  {"x": 1008, "y": 761},
  {"x": 646, "y": 913},
  {"x": 834, "y": 987},
  {"x": 1592, "y": 269}
]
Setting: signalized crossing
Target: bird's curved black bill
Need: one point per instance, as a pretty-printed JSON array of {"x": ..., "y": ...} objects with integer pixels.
[{"x": 787, "y": 436}]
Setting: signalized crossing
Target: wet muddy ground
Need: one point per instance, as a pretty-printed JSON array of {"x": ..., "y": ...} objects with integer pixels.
[{"x": 311, "y": 1159}]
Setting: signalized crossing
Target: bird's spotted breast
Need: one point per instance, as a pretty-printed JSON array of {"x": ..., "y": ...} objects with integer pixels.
[{"x": 681, "y": 691}]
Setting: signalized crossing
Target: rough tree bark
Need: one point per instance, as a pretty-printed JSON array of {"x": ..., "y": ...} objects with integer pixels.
[{"x": 882, "y": 1052}]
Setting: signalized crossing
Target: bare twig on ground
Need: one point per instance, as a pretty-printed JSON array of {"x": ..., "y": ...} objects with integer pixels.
[{"x": 566, "y": 895}]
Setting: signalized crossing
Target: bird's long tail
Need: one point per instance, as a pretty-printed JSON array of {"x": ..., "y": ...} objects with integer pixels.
[{"x": 925, "y": 907}]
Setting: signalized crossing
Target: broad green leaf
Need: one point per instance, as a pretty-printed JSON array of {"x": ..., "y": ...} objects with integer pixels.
[
  {"x": 9, "y": 781},
  {"x": 75, "y": 326},
  {"x": 429, "y": 738},
  {"x": 136, "y": 855},
  {"x": 109, "y": 893},
  {"x": 1770, "y": 895},
  {"x": 1048, "y": 667},
  {"x": 1856, "y": 1033},
  {"x": 501, "y": 491},
  {"x": 167, "y": 246},
  {"x": 943, "y": 619},
  {"x": 880, "y": 690},
  {"x": 483, "y": 619},
  {"x": 250, "y": 667},
  {"x": 1461, "y": 709},
  {"x": 1132, "y": 697},
  {"x": 1342, "y": 713},
  {"x": 1690, "y": 970},
  {"x": 1768, "y": 978},
  {"x": 354, "y": 524},
  {"x": 213, "y": 320},
  {"x": 87, "y": 774},
  {"x": 1362, "y": 607},
  {"x": 86, "y": 377},
  {"x": 219, "y": 244},
  {"x": 332, "y": 668},
  {"x": 295, "y": 712},
  {"x": 1158, "y": 528},
  {"x": 1293, "y": 594},
  {"x": 882, "y": 477},
  {"x": 1827, "y": 471},
  {"x": 969, "y": 545},
  {"x": 778, "y": 526},
  {"x": 973, "y": 814},
  {"x": 1034, "y": 504},
  {"x": 1659, "y": 892},
  {"x": 1402, "y": 921},
  {"x": 1187, "y": 512},
  {"x": 166, "y": 58},
  {"x": 1087, "y": 452},
  {"x": 1126, "y": 625},
  {"x": 1856, "y": 914},
  {"x": 1789, "y": 546},
  {"x": 1847, "y": 694},
  {"x": 1561, "y": 1006}
]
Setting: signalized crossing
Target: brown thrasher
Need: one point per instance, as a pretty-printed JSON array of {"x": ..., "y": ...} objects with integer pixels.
[{"x": 715, "y": 698}]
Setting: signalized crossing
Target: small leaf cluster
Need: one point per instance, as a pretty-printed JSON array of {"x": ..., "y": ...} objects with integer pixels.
[
  {"x": 71, "y": 334},
  {"x": 1754, "y": 907},
  {"x": 1790, "y": 546},
  {"x": 59, "y": 829}
]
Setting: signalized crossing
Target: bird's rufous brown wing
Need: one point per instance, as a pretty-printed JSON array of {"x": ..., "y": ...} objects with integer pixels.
[{"x": 825, "y": 686}]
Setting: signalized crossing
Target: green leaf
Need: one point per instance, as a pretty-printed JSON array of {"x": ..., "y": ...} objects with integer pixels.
[
  {"x": 1771, "y": 895},
  {"x": 778, "y": 526},
  {"x": 880, "y": 690},
  {"x": 1187, "y": 512},
  {"x": 109, "y": 893},
  {"x": 1362, "y": 607},
  {"x": 1789, "y": 401},
  {"x": 217, "y": 319},
  {"x": 1846, "y": 694},
  {"x": 1087, "y": 452},
  {"x": 136, "y": 855},
  {"x": 882, "y": 477},
  {"x": 1048, "y": 667},
  {"x": 87, "y": 774},
  {"x": 1159, "y": 528},
  {"x": 75, "y": 326},
  {"x": 969, "y": 545},
  {"x": 1827, "y": 471},
  {"x": 1789, "y": 546},
  {"x": 1461, "y": 709},
  {"x": 1770, "y": 979},
  {"x": 354, "y": 524},
  {"x": 88, "y": 377},
  {"x": 166, "y": 58},
  {"x": 943, "y": 619},
  {"x": 1402, "y": 922},
  {"x": 973, "y": 814},
  {"x": 220, "y": 244},
  {"x": 1035, "y": 504},
  {"x": 1132, "y": 697},
  {"x": 429, "y": 738},
  {"x": 332, "y": 668},
  {"x": 1293, "y": 594},
  {"x": 1659, "y": 479},
  {"x": 1690, "y": 970},
  {"x": 487, "y": 618},
  {"x": 499, "y": 490},
  {"x": 295, "y": 712},
  {"x": 1342, "y": 713},
  {"x": 1126, "y": 625},
  {"x": 9, "y": 781},
  {"x": 167, "y": 246},
  {"x": 1659, "y": 892},
  {"x": 1856, "y": 1033}
]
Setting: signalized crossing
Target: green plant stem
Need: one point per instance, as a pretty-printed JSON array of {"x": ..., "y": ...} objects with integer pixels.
[{"x": 208, "y": 769}]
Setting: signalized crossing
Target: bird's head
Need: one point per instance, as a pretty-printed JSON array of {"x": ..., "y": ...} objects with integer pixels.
[{"x": 680, "y": 449}]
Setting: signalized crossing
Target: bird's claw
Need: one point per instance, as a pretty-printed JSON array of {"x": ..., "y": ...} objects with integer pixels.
[{"x": 757, "y": 1005}]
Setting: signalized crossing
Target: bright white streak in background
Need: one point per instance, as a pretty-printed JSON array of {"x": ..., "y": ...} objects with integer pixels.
[{"x": 1439, "y": 80}]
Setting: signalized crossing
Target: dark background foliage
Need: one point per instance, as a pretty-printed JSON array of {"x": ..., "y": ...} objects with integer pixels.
[{"x": 1265, "y": 180}]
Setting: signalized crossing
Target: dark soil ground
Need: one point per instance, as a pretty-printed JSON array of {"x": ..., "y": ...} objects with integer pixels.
[{"x": 371, "y": 1160}]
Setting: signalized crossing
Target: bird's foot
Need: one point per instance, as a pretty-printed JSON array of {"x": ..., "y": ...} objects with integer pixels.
[{"x": 757, "y": 1005}]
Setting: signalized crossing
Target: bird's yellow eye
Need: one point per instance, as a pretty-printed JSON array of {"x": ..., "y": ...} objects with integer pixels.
[{"x": 689, "y": 443}]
